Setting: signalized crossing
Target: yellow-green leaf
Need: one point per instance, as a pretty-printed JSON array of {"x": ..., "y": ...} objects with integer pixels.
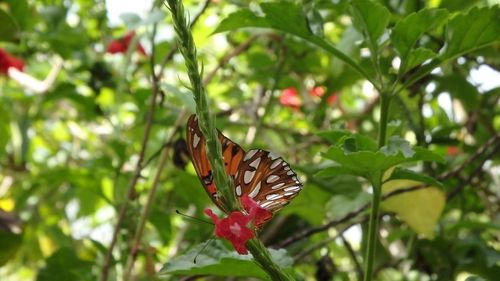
[{"x": 420, "y": 209}]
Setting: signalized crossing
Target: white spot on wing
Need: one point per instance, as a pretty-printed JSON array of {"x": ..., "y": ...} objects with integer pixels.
[
  {"x": 248, "y": 176},
  {"x": 265, "y": 204},
  {"x": 255, "y": 163},
  {"x": 290, "y": 173},
  {"x": 287, "y": 168},
  {"x": 255, "y": 191},
  {"x": 238, "y": 190},
  {"x": 272, "y": 178},
  {"x": 250, "y": 154},
  {"x": 273, "y": 196},
  {"x": 276, "y": 163},
  {"x": 279, "y": 185},
  {"x": 273, "y": 156},
  {"x": 196, "y": 140},
  {"x": 292, "y": 188}
]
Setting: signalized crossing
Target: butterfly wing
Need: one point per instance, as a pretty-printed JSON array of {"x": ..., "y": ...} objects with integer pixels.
[
  {"x": 232, "y": 153},
  {"x": 267, "y": 179}
]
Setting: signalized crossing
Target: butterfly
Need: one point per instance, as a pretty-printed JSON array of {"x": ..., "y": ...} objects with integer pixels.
[{"x": 262, "y": 175}]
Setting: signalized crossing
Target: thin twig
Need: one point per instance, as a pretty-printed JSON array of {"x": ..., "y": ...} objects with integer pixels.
[
  {"x": 134, "y": 180},
  {"x": 147, "y": 207}
]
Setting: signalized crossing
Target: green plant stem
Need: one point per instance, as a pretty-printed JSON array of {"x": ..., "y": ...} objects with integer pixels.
[
  {"x": 385, "y": 100},
  {"x": 263, "y": 258},
  {"x": 372, "y": 230},
  {"x": 206, "y": 120}
]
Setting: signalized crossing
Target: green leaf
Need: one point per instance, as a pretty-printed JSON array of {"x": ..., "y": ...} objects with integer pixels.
[
  {"x": 458, "y": 5},
  {"x": 9, "y": 30},
  {"x": 408, "y": 30},
  {"x": 417, "y": 57},
  {"x": 396, "y": 145},
  {"x": 371, "y": 18},
  {"x": 420, "y": 209},
  {"x": 467, "y": 32},
  {"x": 337, "y": 137},
  {"x": 217, "y": 260},
  {"x": 283, "y": 16},
  {"x": 287, "y": 17},
  {"x": 9, "y": 243},
  {"x": 405, "y": 174},
  {"x": 341, "y": 205},
  {"x": 364, "y": 163},
  {"x": 64, "y": 265}
]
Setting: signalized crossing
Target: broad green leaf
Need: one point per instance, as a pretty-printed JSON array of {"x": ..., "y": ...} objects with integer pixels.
[
  {"x": 458, "y": 5},
  {"x": 420, "y": 209},
  {"x": 364, "y": 163},
  {"x": 405, "y": 174},
  {"x": 287, "y": 17},
  {"x": 408, "y": 30},
  {"x": 217, "y": 260},
  {"x": 9, "y": 243},
  {"x": 337, "y": 137},
  {"x": 9, "y": 30},
  {"x": 397, "y": 145},
  {"x": 341, "y": 205},
  {"x": 417, "y": 57},
  {"x": 371, "y": 18},
  {"x": 467, "y": 32},
  {"x": 64, "y": 265}
]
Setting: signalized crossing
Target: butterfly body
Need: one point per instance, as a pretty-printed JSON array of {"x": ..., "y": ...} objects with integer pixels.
[{"x": 262, "y": 175}]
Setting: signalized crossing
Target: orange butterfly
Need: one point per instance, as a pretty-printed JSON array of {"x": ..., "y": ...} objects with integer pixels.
[{"x": 263, "y": 176}]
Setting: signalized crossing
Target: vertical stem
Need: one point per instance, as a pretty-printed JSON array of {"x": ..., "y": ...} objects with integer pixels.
[
  {"x": 372, "y": 231},
  {"x": 385, "y": 100},
  {"x": 376, "y": 181}
]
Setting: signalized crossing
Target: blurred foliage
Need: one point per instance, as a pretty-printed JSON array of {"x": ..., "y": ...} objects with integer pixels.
[{"x": 67, "y": 156}]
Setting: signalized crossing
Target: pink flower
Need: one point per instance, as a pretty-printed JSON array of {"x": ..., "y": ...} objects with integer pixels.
[
  {"x": 258, "y": 214},
  {"x": 317, "y": 92},
  {"x": 233, "y": 228},
  {"x": 121, "y": 45},
  {"x": 332, "y": 99},
  {"x": 290, "y": 97},
  {"x": 452, "y": 151},
  {"x": 7, "y": 61}
]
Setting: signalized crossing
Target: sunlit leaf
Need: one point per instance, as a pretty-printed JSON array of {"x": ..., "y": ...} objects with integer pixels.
[
  {"x": 371, "y": 18},
  {"x": 420, "y": 209}
]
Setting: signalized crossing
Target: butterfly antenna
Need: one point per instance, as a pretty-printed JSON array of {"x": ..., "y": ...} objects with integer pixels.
[
  {"x": 193, "y": 218},
  {"x": 202, "y": 249}
]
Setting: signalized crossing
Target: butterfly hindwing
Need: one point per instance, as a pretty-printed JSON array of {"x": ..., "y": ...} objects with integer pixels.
[
  {"x": 267, "y": 179},
  {"x": 232, "y": 153}
]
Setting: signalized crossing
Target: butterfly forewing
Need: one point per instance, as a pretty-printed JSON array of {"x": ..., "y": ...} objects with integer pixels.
[
  {"x": 232, "y": 153},
  {"x": 267, "y": 179}
]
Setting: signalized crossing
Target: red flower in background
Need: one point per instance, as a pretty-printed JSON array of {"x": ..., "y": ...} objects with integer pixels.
[
  {"x": 332, "y": 99},
  {"x": 7, "y": 61},
  {"x": 290, "y": 97},
  {"x": 317, "y": 92},
  {"x": 233, "y": 228},
  {"x": 121, "y": 45},
  {"x": 452, "y": 150}
]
